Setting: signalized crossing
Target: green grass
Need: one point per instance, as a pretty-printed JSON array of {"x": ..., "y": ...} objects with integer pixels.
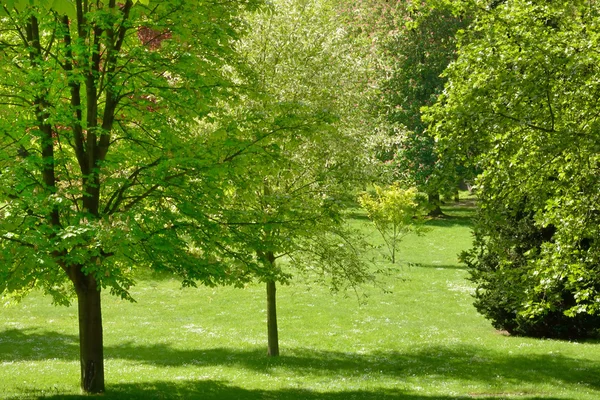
[{"x": 422, "y": 341}]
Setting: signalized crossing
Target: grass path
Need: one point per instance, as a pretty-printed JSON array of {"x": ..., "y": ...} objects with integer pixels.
[{"x": 422, "y": 341}]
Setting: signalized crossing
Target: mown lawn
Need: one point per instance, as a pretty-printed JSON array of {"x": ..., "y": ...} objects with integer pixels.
[{"x": 423, "y": 340}]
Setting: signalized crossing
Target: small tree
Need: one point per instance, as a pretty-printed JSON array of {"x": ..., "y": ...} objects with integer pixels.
[
  {"x": 395, "y": 212},
  {"x": 312, "y": 86}
]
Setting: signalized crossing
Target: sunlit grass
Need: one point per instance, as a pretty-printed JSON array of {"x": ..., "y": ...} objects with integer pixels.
[{"x": 422, "y": 341}]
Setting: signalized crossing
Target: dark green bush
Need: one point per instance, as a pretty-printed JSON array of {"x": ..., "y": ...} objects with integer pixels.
[{"x": 506, "y": 242}]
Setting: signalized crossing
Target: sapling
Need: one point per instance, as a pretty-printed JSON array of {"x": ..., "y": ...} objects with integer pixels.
[{"x": 395, "y": 212}]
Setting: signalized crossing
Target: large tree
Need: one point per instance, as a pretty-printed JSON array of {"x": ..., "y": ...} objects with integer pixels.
[
  {"x": 417, "y": 53},
  {"x": 521, "y": 103},
  {"x": 104, "y": 162},
  {"x": 413, "y": 42}
]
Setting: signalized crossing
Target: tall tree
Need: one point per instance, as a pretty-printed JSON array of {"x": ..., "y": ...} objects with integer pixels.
[
  {"x": 104, "y": 163},
  {"x": 417, "y": 53},
  {"x": 412, "y": 42},
  {"x": 521, "y": 104},
  {"x": 312, "y": 78}
]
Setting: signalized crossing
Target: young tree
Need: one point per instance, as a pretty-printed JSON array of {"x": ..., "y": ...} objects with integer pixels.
[
  {"x": 312, "y": 85},
  {"x": 521, "y": 104},
  {"x": 395, "y": 212},
  {"x": 103, "y": 163}
]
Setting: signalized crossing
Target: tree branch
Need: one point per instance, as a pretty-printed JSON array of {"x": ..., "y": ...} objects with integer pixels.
[
  {"x": 527, "y": 124},
  {"x": 75, "y": 88},
  {"x": 117, "y": 196}
]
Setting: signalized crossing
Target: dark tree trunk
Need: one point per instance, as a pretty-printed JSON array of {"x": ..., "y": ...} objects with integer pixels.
[
  {"x": 90, "y": 334},
  {"x": 272, "y": 336},
  {"x": 435, "y": 204},
  {"x": 456, "y": 196}
]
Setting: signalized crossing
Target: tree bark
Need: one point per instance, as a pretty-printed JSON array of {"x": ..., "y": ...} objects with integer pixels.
[
  {"x": 90, "y": 334},
  {"x": 272, "y": 336},
  {"x": 394, "y": 242},
  {"x": 434, "y": 202}
]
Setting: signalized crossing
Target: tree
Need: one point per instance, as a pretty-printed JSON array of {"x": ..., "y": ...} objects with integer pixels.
[
  {"x": 395, "y": 212},
  {"x": 413, "y": 42},
  {"x": 312, "y": 90},
  {"x": 521, "y": 104},
  {"x": 104, "y": 164},
  {"x": 416, "y": 55}
]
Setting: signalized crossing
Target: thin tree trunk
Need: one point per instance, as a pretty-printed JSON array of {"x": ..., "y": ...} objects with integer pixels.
[
  {"x": 394, "y": 241},
  {"x": 434, "y": 202},
  {"x": 90, "y": 334},
  {"x": 273, "y": 335}
]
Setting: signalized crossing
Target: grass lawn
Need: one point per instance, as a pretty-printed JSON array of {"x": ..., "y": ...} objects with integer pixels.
[{"x": 422, "y": 341}]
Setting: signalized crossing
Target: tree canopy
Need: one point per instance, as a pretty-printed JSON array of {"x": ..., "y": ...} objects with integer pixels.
[
  {"x": 209, "y": 139},
  {"x": 521, "y": 105},
  {"x": 104, "y": 163},
  {"x": 312, "y": 90}
]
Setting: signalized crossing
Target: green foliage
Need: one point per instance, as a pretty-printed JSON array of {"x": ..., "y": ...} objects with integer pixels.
[
  {"x": 103, "y": 166},
  {"x": 107, "y": 156},
  {"x": 419, "y": 45},
  {"x": 521, "y": 105},
  {"x": 310, "y": 95},
  {"x": 395, "y": 212},
  {"x": 500, "y": 266}
]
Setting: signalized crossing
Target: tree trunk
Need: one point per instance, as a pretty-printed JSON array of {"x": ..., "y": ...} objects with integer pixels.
[
  {"x": 434, "y": 202},
  {"x": 90, "y": 334},
  {"x": 273, "y": 336},
  {"x": 394, "y": 241}
]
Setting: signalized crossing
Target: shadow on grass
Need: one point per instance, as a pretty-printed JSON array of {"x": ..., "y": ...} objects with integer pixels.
[
  {"x": 449, "y": 221},
  {"x": 443, "y": 266},
  {"x": 33, "y": 345},
  {"x": 213, "y": 390},
  {"x": 453, "y": 216},
  {"x": 463, "y": 362},
  {"x": 359, "y": 216},
  {"x": 462, "y": 204}
]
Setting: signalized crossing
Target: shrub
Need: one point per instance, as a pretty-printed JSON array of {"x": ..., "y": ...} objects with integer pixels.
[{"x": 502, "y": 264}]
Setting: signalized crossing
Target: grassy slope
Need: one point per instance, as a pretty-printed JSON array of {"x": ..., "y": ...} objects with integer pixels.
[{"x": 423, "y": 341}]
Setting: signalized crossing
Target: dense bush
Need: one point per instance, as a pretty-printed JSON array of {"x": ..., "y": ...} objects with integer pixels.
[{"x": 502, "y": 264}]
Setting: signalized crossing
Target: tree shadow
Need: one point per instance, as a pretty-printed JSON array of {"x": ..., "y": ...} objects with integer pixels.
[
  {"x": 462, "y": 362},
  {"x": 360, "y": 216},
  {"x": 219, "y": 390},
  {"x": 468, "y": 363},
  {"x": 449, "y": 221},
  {"x": 463, "y": 204},
  {"x": 36, "y": 345},
  {"x": 443, "y": 266}
]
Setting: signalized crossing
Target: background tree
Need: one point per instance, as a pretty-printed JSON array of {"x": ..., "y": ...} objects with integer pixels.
[
  {"x": 103, "y": 163},
  {"x": 521, "y": 104},
  {"x": 417, "y": 53},
  {"x": 312, "y": 85},
  {"x": 412, "y": 42}
]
